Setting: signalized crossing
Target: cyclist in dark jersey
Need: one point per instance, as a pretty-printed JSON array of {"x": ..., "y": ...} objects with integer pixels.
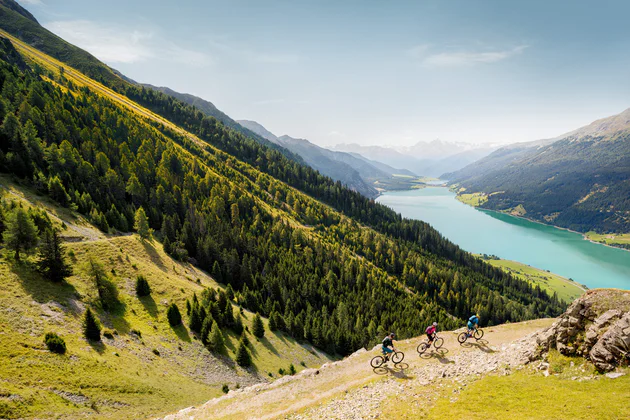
[{"x": 388, "y": 342}]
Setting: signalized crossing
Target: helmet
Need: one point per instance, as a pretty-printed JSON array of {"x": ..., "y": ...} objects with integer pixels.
[
  {"x": 435, "y": 324},
  {"x": 392, "y": 335}
]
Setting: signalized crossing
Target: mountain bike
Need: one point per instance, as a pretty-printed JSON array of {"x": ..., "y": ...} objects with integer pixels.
[
  {"x": 437, "y": 343},
  {"x": 378, "y": 361},
  {"x": 464, "y": 336}
]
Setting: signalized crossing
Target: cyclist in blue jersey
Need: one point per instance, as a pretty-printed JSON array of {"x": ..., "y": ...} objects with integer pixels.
[{"x": 473, "y": 323}]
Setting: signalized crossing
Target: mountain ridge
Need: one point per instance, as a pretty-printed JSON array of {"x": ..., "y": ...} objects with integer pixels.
[{"x": 577, "y": 180}]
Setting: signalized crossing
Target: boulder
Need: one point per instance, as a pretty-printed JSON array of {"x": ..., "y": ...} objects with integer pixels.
[{"x": 613, "y": 347}]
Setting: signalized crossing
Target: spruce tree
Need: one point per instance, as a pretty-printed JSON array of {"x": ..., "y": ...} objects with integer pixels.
[
  {"x": 217, "y": 343},
  {"x": 216, "y": 272},
  {"x": 272, "y": 322},
  {"x": 258, "y": 328},
  {"x": 173, "y": 315},
  {"x": 52, "y": 262},
  {"x": 238, "y": 324},
  {"x": 142, "y": 286},
  {"x": 206, "y": 329},
  {"x": 243, "y": 358},
  {"x": 91, "y": 329},
  {"x": 141, "y": 224},
  {"x": 244, "y": 338},
  {"x": 21, "y": 233}
]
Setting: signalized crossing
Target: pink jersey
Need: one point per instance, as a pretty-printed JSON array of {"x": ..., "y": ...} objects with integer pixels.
[{"x": 430, "y": 329}]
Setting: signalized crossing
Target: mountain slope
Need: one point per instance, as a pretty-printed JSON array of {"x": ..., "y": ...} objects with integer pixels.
[
  {"x": 578, "y": 181},
  {"x": 148, "y": 161},
  {"x": 258, "y": 129},
  {"x": 120, "y": 377}
]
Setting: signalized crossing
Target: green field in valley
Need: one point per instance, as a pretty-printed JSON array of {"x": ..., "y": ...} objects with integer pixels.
[{"x": 567, "y": 289}]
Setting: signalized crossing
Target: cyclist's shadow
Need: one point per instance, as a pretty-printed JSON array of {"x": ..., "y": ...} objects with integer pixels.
[
  {"x": 480, "y": 344},
  {"x": 398, "y": 371},
  {"x": 439, "y": 355}
]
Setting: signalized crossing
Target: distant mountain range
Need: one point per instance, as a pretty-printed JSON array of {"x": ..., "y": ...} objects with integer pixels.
[
  {"x": 579, "y": 180},
  {"x": 352, "y": 169},
  {"x": 424, "y": 158}
]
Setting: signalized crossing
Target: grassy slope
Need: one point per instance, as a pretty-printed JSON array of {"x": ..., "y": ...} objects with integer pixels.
[
  {"x": 120, "y": 377},
  {"x": 566, "y": 289},
  {"x": 576, "y": 393},
  {"x": 610, "y": 239}
]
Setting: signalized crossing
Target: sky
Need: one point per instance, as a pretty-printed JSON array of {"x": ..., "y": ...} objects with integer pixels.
[{"x": 386, "y": 73}]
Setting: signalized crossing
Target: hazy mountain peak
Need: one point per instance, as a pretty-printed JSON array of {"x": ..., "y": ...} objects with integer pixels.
[{"x": 258, "y": 129}]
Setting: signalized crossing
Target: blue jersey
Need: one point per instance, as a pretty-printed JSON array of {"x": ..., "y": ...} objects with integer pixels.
[{"x": 473, "y": 319}]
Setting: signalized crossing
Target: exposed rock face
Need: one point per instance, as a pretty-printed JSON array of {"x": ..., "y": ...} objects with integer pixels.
[{"x": 595, "y": 326}]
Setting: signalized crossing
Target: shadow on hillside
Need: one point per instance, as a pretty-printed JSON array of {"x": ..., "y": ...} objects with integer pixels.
[
  {"x": 153, "y": 254},
  {"x": 480, "y": 344},
  {"x": 439, "y": 355},
  {"x": 98, "y": 346},
  {"x": 149, "y": 305},
  {"x": 265, "y": 342},
  {"x": 42, "y": 290},
  {"x": 397, "y": 371},
  {"x": 182, "y": 333}
]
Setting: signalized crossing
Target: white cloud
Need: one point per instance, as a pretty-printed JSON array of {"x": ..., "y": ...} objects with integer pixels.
[
  {"x": 114, "y": 44},
  {"x": 461, "y": 58},
  {"x": 31, "y": 2}
]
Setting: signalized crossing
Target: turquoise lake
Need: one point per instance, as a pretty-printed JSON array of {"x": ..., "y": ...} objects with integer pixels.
[{"x": 512, "y": 238}]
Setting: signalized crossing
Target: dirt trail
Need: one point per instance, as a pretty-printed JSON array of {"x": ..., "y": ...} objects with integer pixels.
[{"x": 351, "y": 389}]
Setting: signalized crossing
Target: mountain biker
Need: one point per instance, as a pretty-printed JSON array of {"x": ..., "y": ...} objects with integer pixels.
[
  {"x": 431, "y": 332},
  {"x": 388, "y": 342},
  {"x": 473, "y": 323}
]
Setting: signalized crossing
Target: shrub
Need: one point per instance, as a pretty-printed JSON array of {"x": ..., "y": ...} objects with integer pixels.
[
  {"x": 292, "y": 369},
  {"x": 281, "y": 371},
  {"x": 225, "y": 388},
  {"x": 108, "y": 333},
  {"x": 258, "y": 329},
  {"x": 243, "y": 358},
  {"x": 142, "y": 286},
  {"x": 136, "y": 332},
  {"x": 55, "y": 343},
  {"x": 173, "y": 315},
  {"x": 91, "y": 329},
  {"x": 156, "y": 352}
]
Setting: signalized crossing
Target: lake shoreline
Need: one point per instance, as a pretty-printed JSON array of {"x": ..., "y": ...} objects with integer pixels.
[
  {"x": 548, "y": 224},
  {"x": 562, "y": 251}
]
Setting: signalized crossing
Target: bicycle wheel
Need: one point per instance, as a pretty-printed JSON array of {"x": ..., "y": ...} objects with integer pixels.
[
  {"x": 478, "y": 334},
  {"x": 377, "y": 362},
  {"x": 422, "y": 347},
  {"x": 439, "y": 342},
  {"x": 398, "y": 357},
  {"x": 462, "y": 338}
]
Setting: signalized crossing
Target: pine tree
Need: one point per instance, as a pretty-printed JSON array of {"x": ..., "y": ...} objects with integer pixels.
[
  {"x": 272, "y": 322},
  {"x": 216, "y": 272},
  {"x": 258, "y": 328},
  {"x": 173, "y": 315},
  {"x": 21, "y": 233},
  {"x": 91, "y": 329},
  {"x": 142, "y": 286},
  {"x": 141, "y": 224},
  {"x": 238, "y": 324},
  {"x": 243, "y": 358},
  {"x": 206, "y": 329},
  {"x": 217, "y": 342},
  {"x": 52, "y": 262},
  {"x": 244, "y": 339}
]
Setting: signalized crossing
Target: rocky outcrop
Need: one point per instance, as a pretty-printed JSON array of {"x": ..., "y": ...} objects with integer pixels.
[{"x": 595, "y": 326}]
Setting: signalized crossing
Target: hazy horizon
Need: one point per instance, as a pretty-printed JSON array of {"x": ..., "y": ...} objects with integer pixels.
[{"x": 371, "y": 73}]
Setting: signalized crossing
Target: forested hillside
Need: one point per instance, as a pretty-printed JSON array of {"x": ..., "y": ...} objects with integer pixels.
[
  {"x": 324, "y": 276},
  {"x": 579, "y": 181}
]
